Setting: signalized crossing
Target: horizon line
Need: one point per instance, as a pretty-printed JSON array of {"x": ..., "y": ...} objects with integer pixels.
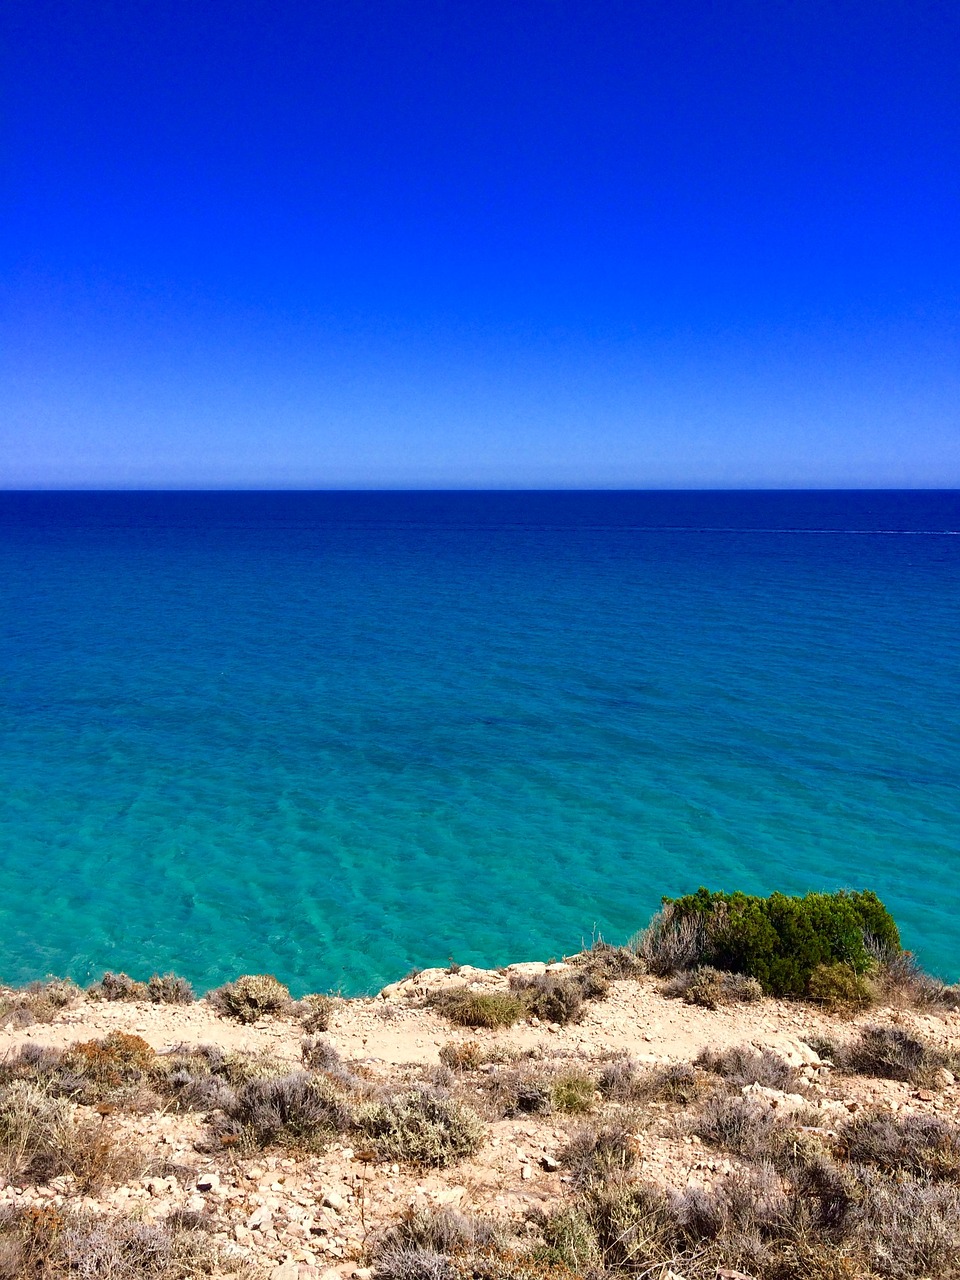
[{"x": 446, "y": 489}]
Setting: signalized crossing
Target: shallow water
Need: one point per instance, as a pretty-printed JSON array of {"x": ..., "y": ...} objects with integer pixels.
[{"x": 335, "y": 736}]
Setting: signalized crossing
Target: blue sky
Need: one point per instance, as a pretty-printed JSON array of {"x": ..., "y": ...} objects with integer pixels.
[{"x": 501, "y": 244}]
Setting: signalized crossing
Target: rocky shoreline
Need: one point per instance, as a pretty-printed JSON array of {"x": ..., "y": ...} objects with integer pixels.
[{"x": 317, "y": 1211}]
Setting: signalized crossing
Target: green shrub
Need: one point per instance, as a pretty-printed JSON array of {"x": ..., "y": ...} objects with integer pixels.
[
  {"x": 250, "y": 997},
  {"x": 479, "y": 1008},
  {"x": 569, "y": 1239},
  {"x": 781, "y": 940}
]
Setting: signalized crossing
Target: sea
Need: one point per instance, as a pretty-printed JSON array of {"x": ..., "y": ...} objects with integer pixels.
[{"x": 338, "y": 736}]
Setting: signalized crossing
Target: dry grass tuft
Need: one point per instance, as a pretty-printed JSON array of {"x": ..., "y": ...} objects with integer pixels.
[
  {"x": 479, "y": 1008},
  {"x": 573, "y": 1091},
  {"x": 597, "y": 1154}
]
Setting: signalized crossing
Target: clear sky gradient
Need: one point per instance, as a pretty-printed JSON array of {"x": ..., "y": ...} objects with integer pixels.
[{"x": 453, "y": 243}]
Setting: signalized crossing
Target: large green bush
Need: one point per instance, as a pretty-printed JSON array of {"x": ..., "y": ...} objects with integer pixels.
[{"x": 781, "y": 940}]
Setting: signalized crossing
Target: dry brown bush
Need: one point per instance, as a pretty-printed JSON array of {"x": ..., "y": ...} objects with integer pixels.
[
  {"x": 712, "y": 988},
  {"x": 742, "y": 1065},
  {"x": 424, "y": 1126},
  {"x": 560, "y": 996},
  {"x": 37, "y": 1002},
  {"x": 462, "y": 1055},
  {"x": 893, "y": 1053},
  {"x": 671, "y": 943},
  {"x": 250, "y": 997},
  {"x": 49, "y": 1243},
  {"x": 43, "y": 1137},
  {"x": 611, "y": 963}
]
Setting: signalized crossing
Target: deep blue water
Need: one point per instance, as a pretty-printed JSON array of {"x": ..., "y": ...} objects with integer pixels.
[{"x": 334, "y": 736}]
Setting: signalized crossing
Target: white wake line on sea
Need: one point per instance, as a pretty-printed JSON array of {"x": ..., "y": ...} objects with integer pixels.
[{"x": 860, "y": 533}]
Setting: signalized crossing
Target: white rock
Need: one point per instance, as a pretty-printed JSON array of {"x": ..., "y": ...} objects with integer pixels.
[
  {"x": 531, "y": 969},
  {"x": 332, "y": 1200},
  {"x": 208, "y": 1182},
  {"x": 289, "y": 1270}
]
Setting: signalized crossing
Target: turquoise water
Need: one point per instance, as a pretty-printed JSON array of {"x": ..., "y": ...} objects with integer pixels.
[{"x": 335, "y": 736}]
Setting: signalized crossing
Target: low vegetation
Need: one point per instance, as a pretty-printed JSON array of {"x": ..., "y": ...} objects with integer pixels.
[
  {"x": 44, "y": 1137},
  {"x": 713, "y": 988},
  {"x": 890, "y": 1053},
  {"x": 298, "y": 1110},
  {"x": 52, "y": 1242},
  {"x": 37, "y": 1002},
  {"x": 422, "y": 1126},
  {"x": 250, "y": 997},
  {"x": 554, "y": 996},
  {"x": 741, "y": 1065},
  {"x": 479, "y": 1008}
]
